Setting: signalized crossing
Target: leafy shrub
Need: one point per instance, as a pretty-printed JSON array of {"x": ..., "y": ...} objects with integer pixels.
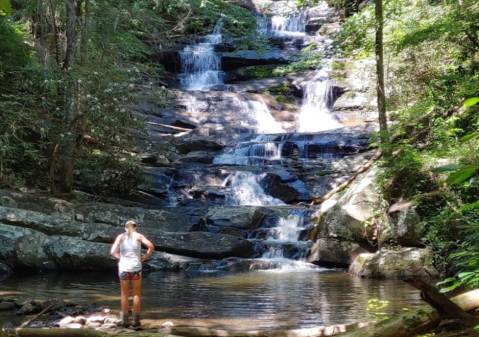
[{"x": 107, "y": 175}]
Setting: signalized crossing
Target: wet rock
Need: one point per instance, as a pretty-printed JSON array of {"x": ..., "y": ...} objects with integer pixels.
[
  {"x": 5, "y": 270},
  {"x": 8, "y": 202},
  {"x": 7, "y": 306},
  {"x": 195, "y": 143},
  {"x": 29, "y": 308},
  {"x": 203, "y": 245},
  {"x": 36, "y": 324},
  {"x": 53, "y": 303},
  {"x": 331, "y": 252}
]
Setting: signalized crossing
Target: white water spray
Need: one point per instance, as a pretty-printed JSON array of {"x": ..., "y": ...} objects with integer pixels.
[
  {"x": 200, "y": 64},
  {"x": 315, "y": 115},
  {"x": 246, "y": 191}
]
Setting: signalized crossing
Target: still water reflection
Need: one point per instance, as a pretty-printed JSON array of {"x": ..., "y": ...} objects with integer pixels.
[{"x": 270, "y": 299}]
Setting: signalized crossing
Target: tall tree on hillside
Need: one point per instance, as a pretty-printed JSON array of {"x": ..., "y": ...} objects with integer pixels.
[
  {"x": 68, "y": 146},
  {"x": 379, "y": 51}
]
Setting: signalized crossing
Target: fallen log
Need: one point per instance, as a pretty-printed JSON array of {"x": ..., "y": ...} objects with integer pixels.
[
  {"x": 331, "y": 330},
  {"x": 54, "y": 332},
  {"x": 414, "y": 321}
]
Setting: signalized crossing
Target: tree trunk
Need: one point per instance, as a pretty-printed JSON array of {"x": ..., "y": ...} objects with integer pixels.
[
  {"x": 85, "y": 32},
  {"x": 379, "y": 50},
  {"x": 69, "y": 139}
]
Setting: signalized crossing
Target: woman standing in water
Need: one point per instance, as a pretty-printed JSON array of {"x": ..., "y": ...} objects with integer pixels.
[{"x": 127, "y": 248}]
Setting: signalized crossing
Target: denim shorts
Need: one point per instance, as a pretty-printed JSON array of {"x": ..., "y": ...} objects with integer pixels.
[{"x": 130, "y": 275}]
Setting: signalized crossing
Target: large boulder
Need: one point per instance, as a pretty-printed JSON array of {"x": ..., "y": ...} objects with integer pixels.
[
  {"x": 237, "y": 217},
  {"x": 406, "y": 226},
  {"x": 407, "y": 263},
  {"x": 334, "y": 253},
  {"x": 170, "y": 219},
  {"x": 23, "y": 247},
  {"x": 349, "y": 218},
  {"x": 202, "y": 244}
]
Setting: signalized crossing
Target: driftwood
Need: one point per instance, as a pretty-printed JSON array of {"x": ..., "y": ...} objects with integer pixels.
[
  {"x": 414, "y": 321},
  {"x": 443, "y": 305},
  {"x": 331, "y": 330},
  {"x": 54, "y": 332},
  {"x": 317, "y": 201},
  {"x": 36, "y": 316}
]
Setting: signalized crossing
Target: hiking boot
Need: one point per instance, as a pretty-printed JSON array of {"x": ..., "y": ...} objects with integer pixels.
[
  {"x": 136, "y": 320},
  {"x": 124, "y": 320}
]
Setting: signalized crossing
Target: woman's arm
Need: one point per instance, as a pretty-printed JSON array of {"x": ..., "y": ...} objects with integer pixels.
[
  {"x": 115, "y": 247},
  {"x": 148, "y": 245}
]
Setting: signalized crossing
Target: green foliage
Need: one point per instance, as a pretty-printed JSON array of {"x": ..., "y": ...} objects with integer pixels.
[
  {"x": 105, "y": 176},
  {"x": 375, "y": 309},
  {"x": 5, "y": 7}
]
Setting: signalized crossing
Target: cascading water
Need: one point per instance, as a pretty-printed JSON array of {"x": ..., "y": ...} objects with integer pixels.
[
  {"x": 200, "y": 64},
  {"x": 246, "y": 191},
  {"x": 315, "y": 113},
  {"x": 288, "y": 25},
  {"x": 261, "y": 150},
  {"x": 259, "y": 112}
]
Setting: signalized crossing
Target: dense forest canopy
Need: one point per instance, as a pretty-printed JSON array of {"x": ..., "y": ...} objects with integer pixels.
[{"x": 70, "y": 70}]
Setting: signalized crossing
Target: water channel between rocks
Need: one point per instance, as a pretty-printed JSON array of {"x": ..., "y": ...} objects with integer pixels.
[{"x": 273, "y": 299}]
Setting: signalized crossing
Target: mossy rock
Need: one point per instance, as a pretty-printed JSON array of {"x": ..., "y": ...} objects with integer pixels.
[{"x": 253, "y": 72}]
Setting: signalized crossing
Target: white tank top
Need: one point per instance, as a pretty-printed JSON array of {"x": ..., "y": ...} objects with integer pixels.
[{"x": 130, "y": 255}]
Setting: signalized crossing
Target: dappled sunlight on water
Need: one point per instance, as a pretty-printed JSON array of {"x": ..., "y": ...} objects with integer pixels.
[{"x": 272, "y": 299}]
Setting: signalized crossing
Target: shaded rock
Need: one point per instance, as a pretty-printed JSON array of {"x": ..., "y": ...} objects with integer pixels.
[
  {"x": 334, "y": 253},
  {"x": 237, "y": 217},
  {"x": 23, "y": 247},
  {"x": 5, "y": 270},
  {"x": 191, "y": 143},
  {"x": 203, "y": 245},
  {"x": 31, "y": 307},
  {"x": 173, "y": 219},
  {"x": 8, "y": 202},
  {"x": 408, "y": 263},
  {"x": 7, "y": 306},
  {"x": 75, "y": 254},
  {"x": 406, "y": 225},
  {"x": 49, "y": 224}
]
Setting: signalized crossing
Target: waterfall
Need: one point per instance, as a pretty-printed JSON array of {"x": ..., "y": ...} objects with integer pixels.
[
  {"x": 288, "y": 25},
  {"x": 200, "y": 64},
  {"x": 261, "y": 150},
  {"x": 282, "y": 240},
  {"x": 315, "y": 114},
  {"x": 246, "y": 191},
  {"x": 259, "y": 112}
]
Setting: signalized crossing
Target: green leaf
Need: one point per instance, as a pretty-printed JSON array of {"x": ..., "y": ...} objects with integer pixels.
[
  {"x": 468, "y": 207},
  {"x": 450, "y": 288},
  {"x": 5, "y": 7},
  {"x": 468, "y": 137},
  {"x": 471, "y": 101},
  {"x": 446, "y": 168},
  {"x": 462, "y": 174}
]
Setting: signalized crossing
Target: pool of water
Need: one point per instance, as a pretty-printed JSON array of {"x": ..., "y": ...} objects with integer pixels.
[{"x": 272, "y": 299}]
